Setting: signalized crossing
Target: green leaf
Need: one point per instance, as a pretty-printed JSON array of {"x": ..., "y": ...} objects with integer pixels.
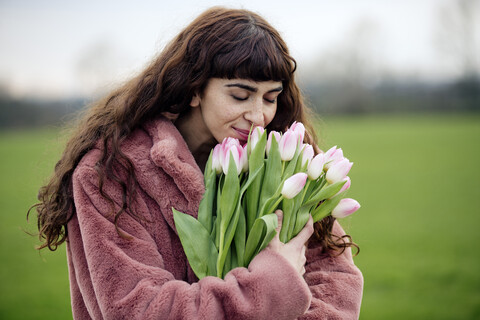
[
  {"x": 326, "y": 192},
  {"x": 227, "y": 241},
  {"x": 272, "y": 178},
  {"x": 228, "y": 262},
  {"x": 253, "y": 196},
  {"x": 288, "y": 218},
  {"x": 326, "y": 208},
  {"x": 206, "y": 208},
  {"x": 302, "y": 217},
  {"x": 197, "y": 244},
  {"x": 229, "y": 196},
  {"x": 233, "y": 260},
  {"x": 230, "y": 227},
  {"x": 262, "y": 233},
  {"x": 240, "y": 238},
  {"x": 292, "y": 164},
  {"x": 257, "y": 155}
]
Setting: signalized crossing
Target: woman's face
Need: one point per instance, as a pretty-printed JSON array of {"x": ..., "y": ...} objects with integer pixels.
[{"x": 229, "y": 107}]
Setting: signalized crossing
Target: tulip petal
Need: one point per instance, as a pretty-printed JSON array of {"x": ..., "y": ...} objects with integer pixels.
[
  {"x": 272, "y": 135},
  {"x": 338, "y": 171},
  {"x": 345, "y": 208},
  {"x": 315, "y": 167},
  {"x": 293, "y": 185},
  {"x": 299, "y": 129},
  {"x": 307, "y": 154},
  {"x": 288, "y": 145}
]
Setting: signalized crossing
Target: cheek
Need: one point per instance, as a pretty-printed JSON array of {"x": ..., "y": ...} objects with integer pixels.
[{"x": 269, "y": 115}]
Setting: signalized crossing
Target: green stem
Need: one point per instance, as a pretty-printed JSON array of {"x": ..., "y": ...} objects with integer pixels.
[
  {"x": 304, "y": 191},
  {"x": 275, "y": 205},
  {"x": 219, "y": 267}
]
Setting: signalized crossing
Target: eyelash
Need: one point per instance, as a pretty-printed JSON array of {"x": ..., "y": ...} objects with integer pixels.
[
  {"x": 243, "y": 99},
  {"x": 239, "y": 99},
  {"x": 271, "y": 101}
]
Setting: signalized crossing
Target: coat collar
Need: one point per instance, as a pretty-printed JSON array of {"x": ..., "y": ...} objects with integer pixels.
[{"x": 170, "y": 152}]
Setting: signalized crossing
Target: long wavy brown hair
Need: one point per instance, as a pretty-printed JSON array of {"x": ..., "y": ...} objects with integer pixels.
[{"x": 220, "y": 43}]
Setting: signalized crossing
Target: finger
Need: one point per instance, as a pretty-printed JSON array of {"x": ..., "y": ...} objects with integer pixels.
[
  {"x": 306, "y": 232},
  {"x": 279, "y": 214},
  {"x": 304, "y": 249},
  {"x": 303, "y": 258}
]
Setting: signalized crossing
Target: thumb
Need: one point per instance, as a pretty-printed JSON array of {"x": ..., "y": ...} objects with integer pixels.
[{"x": 279, "y": 214}]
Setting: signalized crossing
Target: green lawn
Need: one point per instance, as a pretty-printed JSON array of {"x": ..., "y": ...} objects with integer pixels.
[
  {"x": 416, "y": 177},
  {"x": 33, "y": 285}
]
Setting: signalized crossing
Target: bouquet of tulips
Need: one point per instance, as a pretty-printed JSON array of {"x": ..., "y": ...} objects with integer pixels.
[{"x": 244, "y": 185}]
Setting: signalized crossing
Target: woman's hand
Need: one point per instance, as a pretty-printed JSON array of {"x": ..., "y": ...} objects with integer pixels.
[{"x": 294, "y": 250}]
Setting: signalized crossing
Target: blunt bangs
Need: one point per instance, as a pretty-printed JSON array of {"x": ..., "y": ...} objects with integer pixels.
[{"x": 255, "y": 57}]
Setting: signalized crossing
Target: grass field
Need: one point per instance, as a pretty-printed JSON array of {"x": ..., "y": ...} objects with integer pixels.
[{"x": 417, "y": 178}]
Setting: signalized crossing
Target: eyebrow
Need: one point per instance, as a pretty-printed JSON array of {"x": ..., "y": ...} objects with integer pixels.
[{"x": 250, "y": 88}]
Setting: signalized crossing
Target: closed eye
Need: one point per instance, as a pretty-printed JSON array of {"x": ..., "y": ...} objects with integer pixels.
[
  {"x": 270, "y": 101},
  {"x": 239, "y": 98}
]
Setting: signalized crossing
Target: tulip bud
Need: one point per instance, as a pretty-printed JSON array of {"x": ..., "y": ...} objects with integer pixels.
[
  {"x": 255, "y": 136},
  {"x": 315, "y": 167},
  {"x": 346, "y": 186},
  {"x": 345, "y": 208},
  {"x": 299, "y": 129},
  {"x": 244, "y": 159},
  {"x": 307, "y": 154},
  {"x": 230, "y": 147},
  {"x": 332, "y": 156},
  {"x": 272, "y": 134},
  {"x": 293, "y": 185},
  {"x": 338, "y": 171},
  {"x": 288, "y": 145},
  {"x": 216, "y": 159}
]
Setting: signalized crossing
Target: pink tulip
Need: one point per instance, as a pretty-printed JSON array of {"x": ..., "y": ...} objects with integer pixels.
[
  {"x": 293, "y": 185},
  {"x": 288, "y": 145},
  {"x": 255, "y": 136},
  {"x": 272, "y": 134},
  {"x": 345, "y": 208},
  {"x": 216, "y": 159},
  {"x": 315, "y": 167},
  {"x": 307, "y": 154},
  {"x": 332, "y": 156},
  {"x": 230, "y": 147},
  {"x": 338, "y": 171},
  {"x": 232, "y": 152},
  {"x": 346, "y": 186},
  {"x": 299, "y": 129},
  {"x": 244, "y": 159}
]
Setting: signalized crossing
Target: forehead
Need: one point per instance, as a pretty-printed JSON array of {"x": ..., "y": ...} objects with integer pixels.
[{"x": 245, "y": 83}]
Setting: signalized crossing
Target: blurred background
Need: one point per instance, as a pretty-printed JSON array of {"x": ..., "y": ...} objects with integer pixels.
[{"x": 396, "y": 84}]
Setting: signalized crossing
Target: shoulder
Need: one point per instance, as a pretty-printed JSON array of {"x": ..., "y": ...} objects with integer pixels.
[{"x": 163, "y": 165}]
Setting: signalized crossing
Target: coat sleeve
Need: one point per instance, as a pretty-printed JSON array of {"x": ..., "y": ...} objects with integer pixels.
[
  {"x": 121, "y": 278},
  {"x": 335, "y": 282}
]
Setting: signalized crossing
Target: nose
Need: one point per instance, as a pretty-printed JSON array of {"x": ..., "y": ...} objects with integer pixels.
[{"x": 255, "y": 114}]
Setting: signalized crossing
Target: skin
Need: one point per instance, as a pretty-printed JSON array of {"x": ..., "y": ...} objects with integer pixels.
[{"x": 229, "y": 108}]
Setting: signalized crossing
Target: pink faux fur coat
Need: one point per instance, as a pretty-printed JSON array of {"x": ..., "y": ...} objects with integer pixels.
[{"x": 148, "y": 277}]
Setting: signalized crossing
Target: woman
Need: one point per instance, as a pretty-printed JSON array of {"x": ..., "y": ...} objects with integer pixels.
[{"x": 141, "y": 150}]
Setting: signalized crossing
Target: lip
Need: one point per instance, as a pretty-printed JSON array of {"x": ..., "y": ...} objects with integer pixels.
[{"x": 243, "y": 134}]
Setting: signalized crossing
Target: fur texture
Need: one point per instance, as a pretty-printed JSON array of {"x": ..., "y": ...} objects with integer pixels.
[{"x": 147, "y": 276}]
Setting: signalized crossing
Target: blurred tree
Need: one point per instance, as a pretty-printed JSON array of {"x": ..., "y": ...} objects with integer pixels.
[
  {"x": 343, "y": 77},
  {"x": 458, "y": 27},
  {"x": 98, "y": 67},
  {"x": 457, "y": 38}
]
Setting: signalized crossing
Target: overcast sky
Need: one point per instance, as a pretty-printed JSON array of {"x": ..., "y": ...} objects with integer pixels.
[{"x": 53, "y": 47}]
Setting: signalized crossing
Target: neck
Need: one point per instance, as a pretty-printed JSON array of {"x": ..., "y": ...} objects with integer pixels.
[{"x": 199, "y": 140}]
